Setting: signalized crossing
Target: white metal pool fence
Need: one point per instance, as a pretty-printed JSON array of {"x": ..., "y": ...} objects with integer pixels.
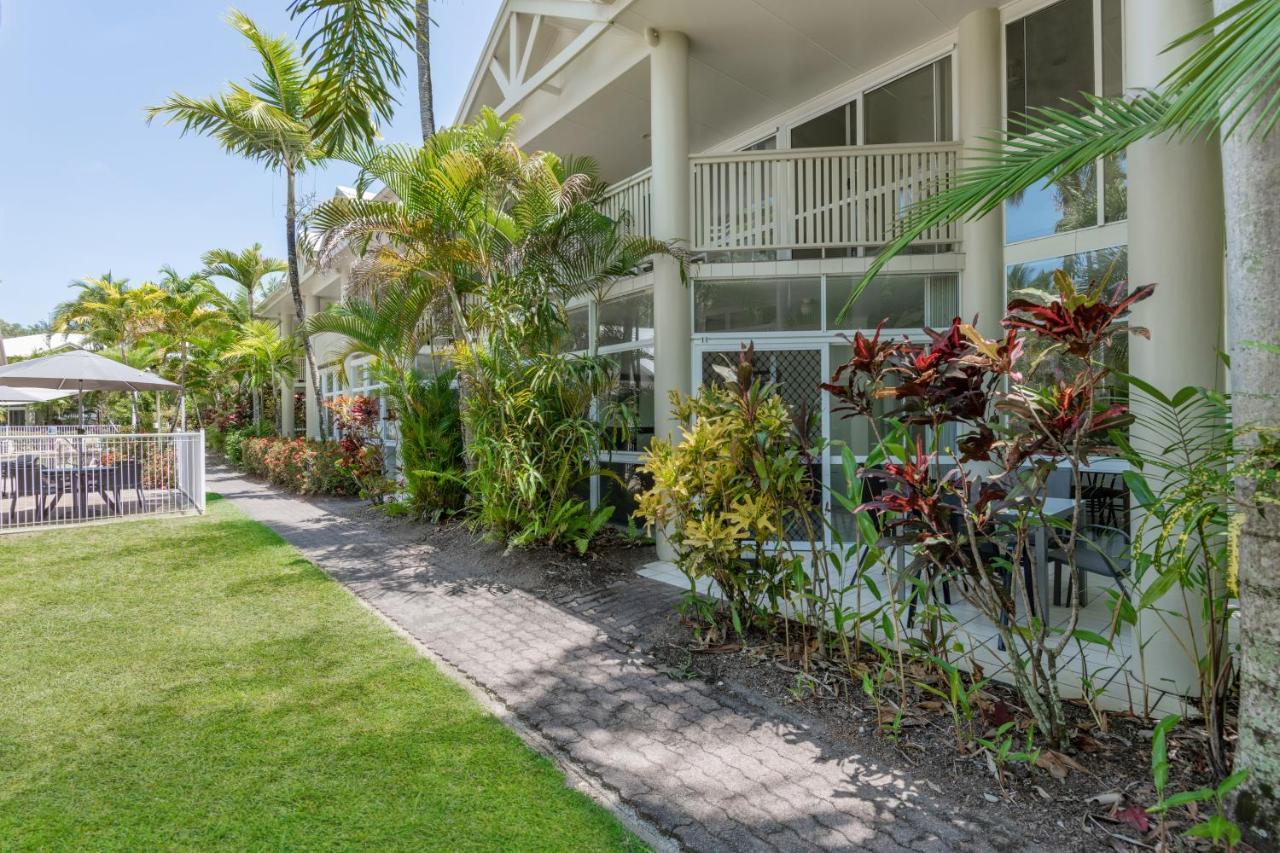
[
  {"x": 62, "y": 480},
  {"x": 56, "y": 429}
]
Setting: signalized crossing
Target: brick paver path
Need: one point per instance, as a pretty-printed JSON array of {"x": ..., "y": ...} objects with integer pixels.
[{"x": 710, "y": 769}]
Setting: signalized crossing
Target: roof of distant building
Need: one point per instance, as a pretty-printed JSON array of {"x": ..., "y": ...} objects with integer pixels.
[{"x": 25, "y": 346}]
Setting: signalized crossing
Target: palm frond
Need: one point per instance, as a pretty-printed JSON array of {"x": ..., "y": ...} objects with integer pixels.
[
  {"x": 352, "y": 51},
  {"x": 1235, "y": 70}
]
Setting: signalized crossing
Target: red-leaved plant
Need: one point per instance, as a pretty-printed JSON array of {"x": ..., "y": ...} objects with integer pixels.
[{"x": 969, "y": 507}]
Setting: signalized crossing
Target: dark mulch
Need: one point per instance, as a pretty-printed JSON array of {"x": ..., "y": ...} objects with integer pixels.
[{"x": 1091, "y": 797}]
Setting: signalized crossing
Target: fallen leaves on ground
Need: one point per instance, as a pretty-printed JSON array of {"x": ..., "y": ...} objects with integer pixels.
[{"x": 1057, "y": 763}]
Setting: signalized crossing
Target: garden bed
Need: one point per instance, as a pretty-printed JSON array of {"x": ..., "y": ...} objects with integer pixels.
[{"x": 1092, "y": 798}]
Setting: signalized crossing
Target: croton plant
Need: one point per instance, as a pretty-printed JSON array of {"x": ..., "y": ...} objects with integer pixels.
[{"x": 968, "y": 507}]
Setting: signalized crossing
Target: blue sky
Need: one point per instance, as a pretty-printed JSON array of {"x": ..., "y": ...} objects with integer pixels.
[{"x": 88, "y": 187}]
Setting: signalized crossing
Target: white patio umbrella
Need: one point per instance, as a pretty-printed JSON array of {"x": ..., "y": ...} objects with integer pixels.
[
  {"x": 22, "y": 396},
  {"x": 77, "y": 371}
]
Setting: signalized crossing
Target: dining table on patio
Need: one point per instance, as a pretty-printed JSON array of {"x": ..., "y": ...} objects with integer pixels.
[{"x": 80, "y": 480}]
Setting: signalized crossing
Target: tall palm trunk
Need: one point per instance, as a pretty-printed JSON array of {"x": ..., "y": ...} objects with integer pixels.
[
  {"x": 1251, "y": 179},
  {"x": 422, "y": 47},
  {"x": 182, "y": 388},
  {"x": 295, "y": 287}
]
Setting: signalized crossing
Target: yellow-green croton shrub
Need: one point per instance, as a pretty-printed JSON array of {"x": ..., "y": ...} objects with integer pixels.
[{"x": 735, "y": 485}]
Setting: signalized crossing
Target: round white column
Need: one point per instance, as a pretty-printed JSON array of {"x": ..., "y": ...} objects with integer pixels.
[
  {"x": 286, "y": 387},
  {"x": 669, "y": 193},
  {"x": 1176, "y": 241},
  {"x": 980, "y": 85}
]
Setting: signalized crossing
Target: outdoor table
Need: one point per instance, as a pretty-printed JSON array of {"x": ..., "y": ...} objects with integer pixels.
[{"x": 79, "y": 476}]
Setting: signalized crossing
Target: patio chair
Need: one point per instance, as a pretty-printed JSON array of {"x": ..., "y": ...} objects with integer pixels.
[
  {"x": 1099, "y": 550},
  {"x": 126, "y": 474},
  {"x": 26, "y": 480}
]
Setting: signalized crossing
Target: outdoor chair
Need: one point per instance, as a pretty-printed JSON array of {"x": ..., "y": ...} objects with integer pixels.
[
  {"x": 1106, "y": 501},
  {"x": 126, "y": 474},
  {"x": 1098, "y": 550},
  {"x": 25, "y": 478}
]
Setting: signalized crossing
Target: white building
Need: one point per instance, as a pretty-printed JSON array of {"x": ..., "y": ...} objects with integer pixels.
[{"x": 778, "y": 139}]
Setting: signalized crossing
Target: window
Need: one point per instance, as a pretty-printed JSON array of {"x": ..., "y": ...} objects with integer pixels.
[
  {"x": 832, "y": 128},
  {"x": 1049, "y": 62},
  {"x": 1111, "y": 265},
  {"x": 1049, "y": 58},
  {"x": 634, "y": 392},
  {"x": 913, "y": 108},
  {"x": 758, "y": 305},
  {"x": 769, "y": 143},
  {"x": 902, "y": 301},
  {"x": 625, "y": 320},
  {"x": 579, "y": 328}
]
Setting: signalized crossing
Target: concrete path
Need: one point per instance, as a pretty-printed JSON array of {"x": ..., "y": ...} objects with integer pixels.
[{"x": 711, "y": 770}]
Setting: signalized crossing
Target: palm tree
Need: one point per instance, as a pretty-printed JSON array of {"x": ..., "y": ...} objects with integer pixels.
[
  {"x": 248, "y": 268},
  {"x": 187, "y": 308},
  {"x": 265, "y": 358},
  {"x": 282, "y": 119},
  {"x": 362, "y": 35},
  {"x": 1228, "y": 86}
]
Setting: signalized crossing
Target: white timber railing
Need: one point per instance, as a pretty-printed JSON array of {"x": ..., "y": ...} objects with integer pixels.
[
  {"x": 796, "y": 199},
  {"x": 629, "y": 200},
  {"x": 50, "y": 481}
]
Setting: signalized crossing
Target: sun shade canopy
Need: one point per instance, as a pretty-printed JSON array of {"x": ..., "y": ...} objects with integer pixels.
[
  {"x": 22, "y": 396},
  {"x": 79, "y": 370}
]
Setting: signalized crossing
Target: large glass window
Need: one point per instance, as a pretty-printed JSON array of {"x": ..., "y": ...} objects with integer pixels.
[
  {"x": 901, "y": 300},
  {"x": 1049, "y": 62},
  {"x": 913, "y": 108},
  {"x": 1049, "y": 58},
  {"x": 758, "y": 305},
  {"x": 579, "y": 322},
  {"x": 1084, "y": 268},
  {"x": 625, "y": 320},
  {"x": 633, "y": 392},
  {"x": 834, "y": 127}
]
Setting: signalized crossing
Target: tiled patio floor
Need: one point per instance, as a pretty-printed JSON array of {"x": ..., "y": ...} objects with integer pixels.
[{"x": 708, "y": 769}]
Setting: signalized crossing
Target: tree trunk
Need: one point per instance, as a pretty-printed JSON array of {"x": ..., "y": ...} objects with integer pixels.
[
  {"x": 295, "y": 287},
  {"x": 182, "y": 389},
  {"x": 422, "y": 46},
  {"x": 1251, "y": 180}
]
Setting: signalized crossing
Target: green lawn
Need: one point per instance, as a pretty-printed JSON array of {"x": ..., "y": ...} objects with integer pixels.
[{"x": 196, "y": 683}]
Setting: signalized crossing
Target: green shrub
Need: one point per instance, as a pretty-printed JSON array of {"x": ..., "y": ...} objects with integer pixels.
[
  {"x": 733, "y": 490},
  {"x": 426, "y": 412},
  {"x": 300, "y": 466},
  {"x": 532, "y": 441}
]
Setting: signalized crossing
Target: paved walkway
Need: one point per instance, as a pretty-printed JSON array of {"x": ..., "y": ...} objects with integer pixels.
[{"x": 710, "y": 769}]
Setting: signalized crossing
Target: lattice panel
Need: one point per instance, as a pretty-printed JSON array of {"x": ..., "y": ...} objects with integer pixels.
[{"x": 796, "y": 373}]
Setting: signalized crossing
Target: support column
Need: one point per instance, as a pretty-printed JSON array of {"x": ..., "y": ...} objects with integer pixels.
[
  {"x": 669, "y": 146},
  {"x": 286, "y": 383},
  {"x": 312, "y": 305},
  {"x": 1176, "y": 241},
  {"x": 980, "y": 84}
]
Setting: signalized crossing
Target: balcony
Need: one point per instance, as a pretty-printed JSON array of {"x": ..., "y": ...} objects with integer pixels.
[{"x": 800, "y": 199}]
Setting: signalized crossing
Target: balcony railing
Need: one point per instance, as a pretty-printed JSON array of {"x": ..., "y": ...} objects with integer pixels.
[
  {"x": 801, "y": 199},
  {"x": 51, "y": 481}
]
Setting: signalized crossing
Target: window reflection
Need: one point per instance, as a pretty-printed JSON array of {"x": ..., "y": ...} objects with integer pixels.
[
  {"x": 758, "y": 305},
  {"x": 1084, "y": 268},
  {"x": 626, "y": 320}
]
